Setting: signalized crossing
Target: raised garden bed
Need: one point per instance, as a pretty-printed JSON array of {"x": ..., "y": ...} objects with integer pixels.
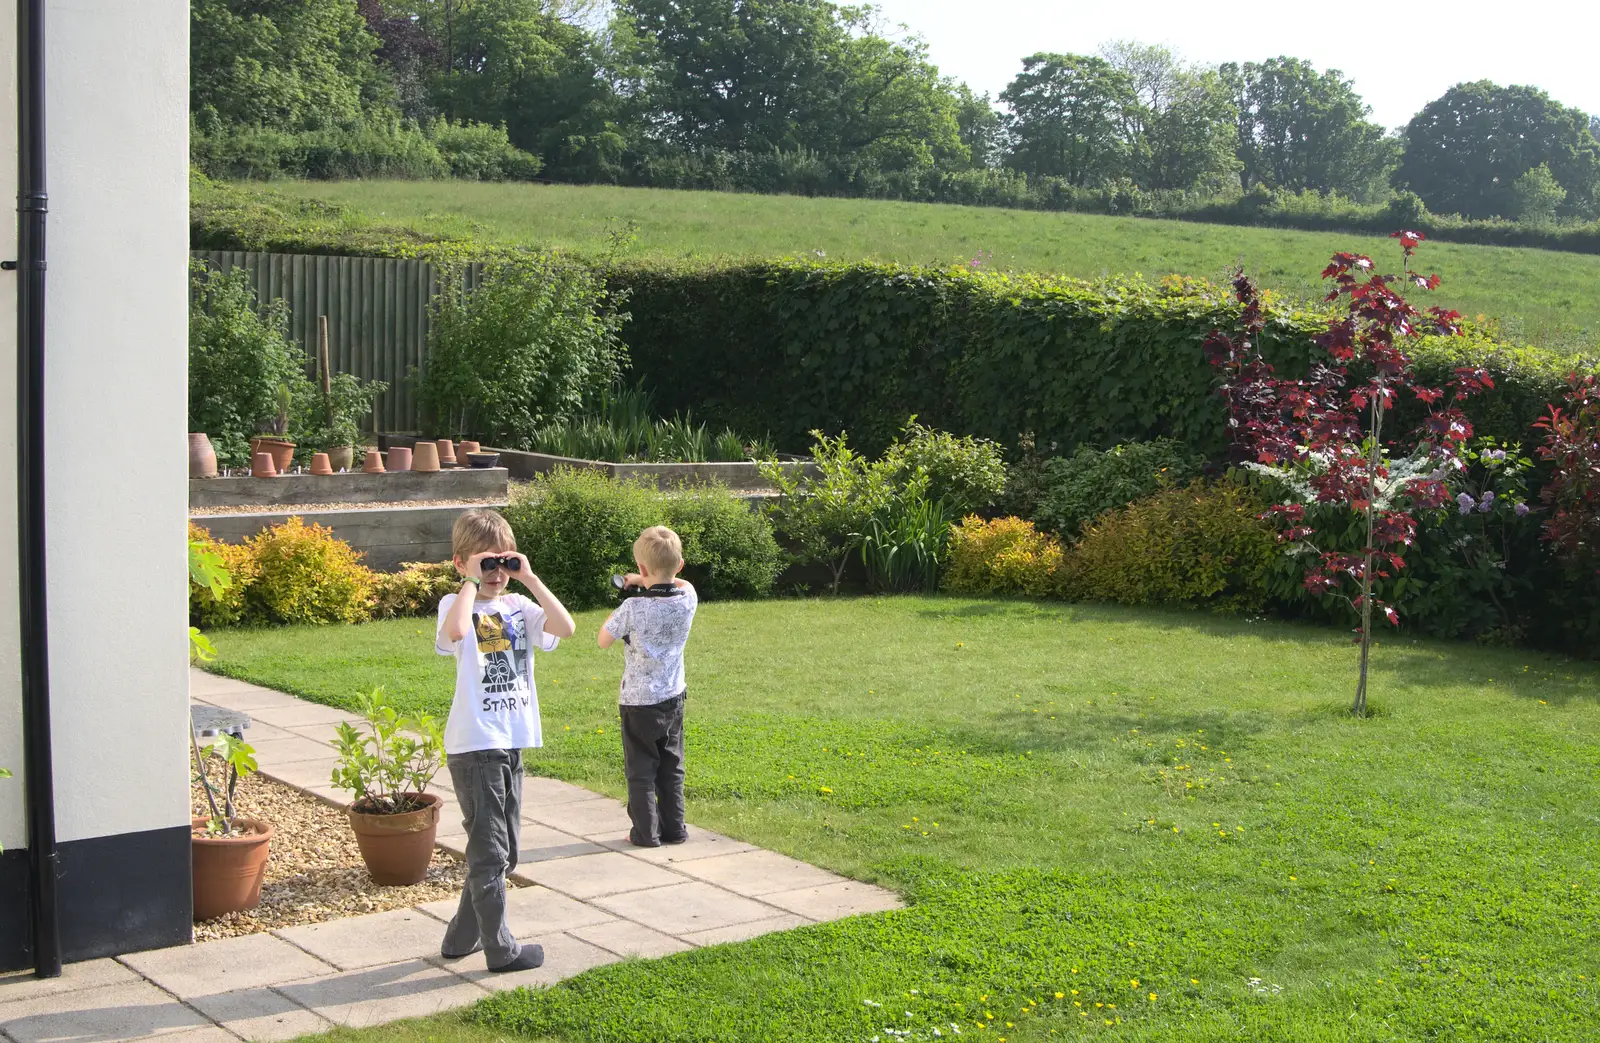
[
  {"x": 459, "y": 484},
  {"x": 744, "y": 476}
]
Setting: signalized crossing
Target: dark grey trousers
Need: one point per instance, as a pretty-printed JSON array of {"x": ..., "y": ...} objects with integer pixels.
[
  {"x": 652, "y": 759},
  {"x": 488, "y": 787}
]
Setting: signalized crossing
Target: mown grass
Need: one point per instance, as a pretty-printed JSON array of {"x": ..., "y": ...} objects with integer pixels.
[
  {"x": 1540, "y": 297},
  {"x": 1081, "y": 798}
]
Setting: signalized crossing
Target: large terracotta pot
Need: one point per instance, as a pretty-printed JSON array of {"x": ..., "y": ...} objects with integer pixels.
[
  {"x": 282, "y": 451},
  {"x": 398, "y": 458},
  {"x": 202, "y": 458},
  {"x": 397, "y": 848},
  {"x": 228, "y": 870},
  {"x": 342, "y": 457},
  {"x": 425, "y": 457}
]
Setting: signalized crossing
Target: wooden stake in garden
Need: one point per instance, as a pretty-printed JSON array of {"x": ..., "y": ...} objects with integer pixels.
[
  {"x": 324, "y": 370},
  {"x": 1309, "y": 434}
]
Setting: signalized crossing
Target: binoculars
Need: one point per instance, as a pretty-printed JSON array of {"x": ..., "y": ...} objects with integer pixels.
[
  {"x": 621, "y": 583},
  {"x": 511, "y": 563}
]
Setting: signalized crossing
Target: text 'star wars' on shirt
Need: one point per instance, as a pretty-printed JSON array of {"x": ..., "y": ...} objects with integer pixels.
[{"x": 496, "y": 705}]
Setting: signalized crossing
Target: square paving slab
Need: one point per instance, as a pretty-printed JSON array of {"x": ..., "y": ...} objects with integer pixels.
[
  {"x": 109, "y": 1012},
  {"x": 611, "y": 872},
  {"x": 260, "y": 1014},
  {"x": 685, "y": 908},
  {"x": 755, "y": 873},
  {"x": 367, "y": 941},
  {"x": 564, "y": 957},
  {"x": 413, "y": 989},
  {"x": 225, "y": 965}
]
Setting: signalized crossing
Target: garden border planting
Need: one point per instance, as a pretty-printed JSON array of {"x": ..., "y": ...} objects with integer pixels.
[
  {"x": 388, "y": 536},
  {"x": 738, "y": 477}
]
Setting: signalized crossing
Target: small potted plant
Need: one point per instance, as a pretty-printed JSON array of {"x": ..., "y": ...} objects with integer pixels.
[
  {"x": 229, "y": 853},
  {"x": 387, "y": 768},
  {"x": 274, "y": 436}
]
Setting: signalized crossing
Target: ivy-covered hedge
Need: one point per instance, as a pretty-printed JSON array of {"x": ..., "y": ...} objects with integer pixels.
[{"x": 788, "y": 346}]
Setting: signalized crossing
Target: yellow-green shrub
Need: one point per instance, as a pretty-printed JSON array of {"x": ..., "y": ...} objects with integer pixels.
[
  {"x": 1003, "y": 556},
  {"x": 205, "y": 608},
  {"x": 1202, "y": 544},
  {"x": 413, "y": 591},
  {"x": 307, "y": 575}
]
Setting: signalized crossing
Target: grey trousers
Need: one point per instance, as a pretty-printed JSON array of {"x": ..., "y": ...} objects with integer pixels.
[
  {"x": 488, "y": 787},
  {"x": 652, "y": 760}
]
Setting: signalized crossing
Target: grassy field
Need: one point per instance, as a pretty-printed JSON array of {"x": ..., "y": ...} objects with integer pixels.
[
  {"x": 1109, "y": 824},
  {"x": 1539, "y": 296}
]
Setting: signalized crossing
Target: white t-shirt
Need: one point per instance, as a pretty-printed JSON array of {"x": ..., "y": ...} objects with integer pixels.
[
  {"x": 496, "y": 706},
  {"x": 655, "y": 631}
]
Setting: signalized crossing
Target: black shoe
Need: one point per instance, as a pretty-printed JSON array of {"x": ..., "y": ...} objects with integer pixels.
[
  {"x": 636, "y": 842},
  {"x": 531, "y": 957},
  {"x": 461, "y": 955},
  {"x": 680, "y": 838}
]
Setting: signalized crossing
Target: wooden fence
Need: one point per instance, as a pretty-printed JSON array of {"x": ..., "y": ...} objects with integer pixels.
[{"x": 377, "y": 311}]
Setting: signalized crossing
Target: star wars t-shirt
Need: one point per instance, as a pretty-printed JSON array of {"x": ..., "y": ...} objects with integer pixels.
[{"x": 496, "y": 706}]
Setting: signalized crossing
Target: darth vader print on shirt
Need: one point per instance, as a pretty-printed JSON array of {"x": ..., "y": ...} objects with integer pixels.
[{"x": 503, "y": 644}]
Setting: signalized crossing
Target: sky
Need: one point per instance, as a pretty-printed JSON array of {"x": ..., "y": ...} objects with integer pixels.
[{"x": 1400, "y": 56}]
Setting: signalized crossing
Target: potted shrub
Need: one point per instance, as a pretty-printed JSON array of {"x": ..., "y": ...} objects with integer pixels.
[
  {"x": 334, "y": 420},
  {"x": 229, "y": 853},
  {"x": 388, "y": 768},
  {"x": 274, "y": 439}
]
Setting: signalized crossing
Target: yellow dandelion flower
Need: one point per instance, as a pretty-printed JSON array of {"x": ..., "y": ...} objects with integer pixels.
[
  {"x": 1061, "y": 995},
  {"x": 1152, "y": 997}
]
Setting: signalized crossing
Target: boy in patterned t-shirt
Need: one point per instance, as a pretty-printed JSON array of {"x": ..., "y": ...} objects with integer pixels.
[{"x": 654, "y": 630}]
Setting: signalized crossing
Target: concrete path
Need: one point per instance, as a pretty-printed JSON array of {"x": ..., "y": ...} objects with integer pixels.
[{"x": 591, "y": 899}]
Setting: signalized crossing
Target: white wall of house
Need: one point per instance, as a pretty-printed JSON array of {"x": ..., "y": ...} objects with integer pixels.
[
  {"x": 116, "y": 473},
  {"x": 117, "y": 408}
]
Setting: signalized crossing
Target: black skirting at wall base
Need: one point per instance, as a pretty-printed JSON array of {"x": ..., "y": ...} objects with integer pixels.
[{"x": 119, "y": 894}]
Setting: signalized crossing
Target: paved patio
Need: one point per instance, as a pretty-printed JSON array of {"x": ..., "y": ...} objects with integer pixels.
[{"x": 590, "y": 898}]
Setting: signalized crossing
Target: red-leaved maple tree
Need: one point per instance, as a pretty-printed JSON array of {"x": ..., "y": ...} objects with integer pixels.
[{"x": 1324, "y": 437}]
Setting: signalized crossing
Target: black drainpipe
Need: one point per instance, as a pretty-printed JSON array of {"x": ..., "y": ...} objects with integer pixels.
[{"x": 31, "y": 209}]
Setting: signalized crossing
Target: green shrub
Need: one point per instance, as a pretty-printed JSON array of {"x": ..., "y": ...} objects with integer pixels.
[
  {"x": 479, "y": 152},
  {"x": 729, "y": 549},
  {"x": 905, "y": 543},
  {"x": 825, "y": 516},
  {"x": 1202, "y": 545},
  {"x": 209, "y": 608},
  {"x": 532, "y": 343},
  {"x": 1003, "y": 556},
  {"x": 415, "y": 590},
  {"x": 578, "y": 528},
  {"x": 1083, "y": 486},
  {"x": 239, "y": 358},
  {"x": 965, "y": 473},
  {"x": 304, "y": 574},
  {"x": 440, "y": 149}
]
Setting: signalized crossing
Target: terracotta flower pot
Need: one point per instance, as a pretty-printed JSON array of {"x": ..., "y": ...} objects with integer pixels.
[
  {"x": 320, "y": 464},
  {"x": 202, "y": 458},
  {"x": 397, "y": 848},
  {"x": 342, "y": 457},
  {"x": 399, "y": 458},
  {"x": 228, "y": 870},
  {"x": 282, "y": 451},
  {"x": 425, "y": 457},
  {"x": 466, "y": 448},
  {"x": 447, "y": 453},
  {"x": 372, "y": 462},
  {"x": 261, "y": 466}
]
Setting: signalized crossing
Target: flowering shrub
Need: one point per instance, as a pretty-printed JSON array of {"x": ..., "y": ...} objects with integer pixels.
[
  {"x": 1572, "y": 445},
  {"x": 413, "y": 591},
  {"x": 1003, "y": 556},
  {"x": 1323, "y": 437},
  {"x": 1206, "y": 544},
  {"x": 306, "y": 575}
]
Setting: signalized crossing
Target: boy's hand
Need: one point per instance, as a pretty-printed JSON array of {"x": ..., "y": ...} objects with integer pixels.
[
  {"x": 474, "y": 567},
  {"x": 524, "y": 574},
  {"x": 633, "y": 579}
]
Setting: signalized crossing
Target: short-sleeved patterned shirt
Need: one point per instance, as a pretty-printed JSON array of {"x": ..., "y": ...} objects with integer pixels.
[{"x": 654, "y": 632}]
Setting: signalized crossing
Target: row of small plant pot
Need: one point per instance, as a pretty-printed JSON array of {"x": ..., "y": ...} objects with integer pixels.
[{"x": 387, "y": 768}]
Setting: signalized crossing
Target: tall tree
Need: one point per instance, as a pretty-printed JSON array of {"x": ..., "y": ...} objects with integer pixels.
[
  {"x": 1465, "y": 151},
  {"x": 282, "y": 64},
  {"x": 1180, "y": 132},
  {"x": 894, "y": 109},
  {"x": 1067, "y": 117},
  {"x": 1303, "y": 129},
  {"x": 980, "y": 127}
]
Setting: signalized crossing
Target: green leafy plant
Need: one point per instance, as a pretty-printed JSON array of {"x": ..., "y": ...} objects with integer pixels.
[
  {"x": 1083, "y": 486},
  {"x": 904, "y": 545},
  {"x": 728, "y": 548},
  {"x": 207, "y": 573},
  {"x": 334, "y": 420},
  {"x": 965, "y": 473},
  {"x": 533, "y": 341},
  {"x": 305, "y": 574},
  {"x": 577, "y": 529},
  {"x": 244, "y": 368},
  {"x": 415, "y": 590},
  {"x": 387, "y": 768},
  {"x": 237, "y": 760},
  {"x": 826, "y": 516}
]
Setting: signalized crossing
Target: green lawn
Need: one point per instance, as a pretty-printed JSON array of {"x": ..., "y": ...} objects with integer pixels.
[
  {"x": 1074, "y": 799},
  {"x": 1541, "y": 296}
]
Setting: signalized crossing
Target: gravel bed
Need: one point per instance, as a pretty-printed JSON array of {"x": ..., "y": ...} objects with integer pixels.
[
  {"x": 314, "y": 508},
  {"x": 314, "y": 868}
]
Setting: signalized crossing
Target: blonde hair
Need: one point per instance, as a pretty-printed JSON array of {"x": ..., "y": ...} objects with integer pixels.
[
  {"x": 658, "y": 550},
  {"x": 480, "y": 530}
]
